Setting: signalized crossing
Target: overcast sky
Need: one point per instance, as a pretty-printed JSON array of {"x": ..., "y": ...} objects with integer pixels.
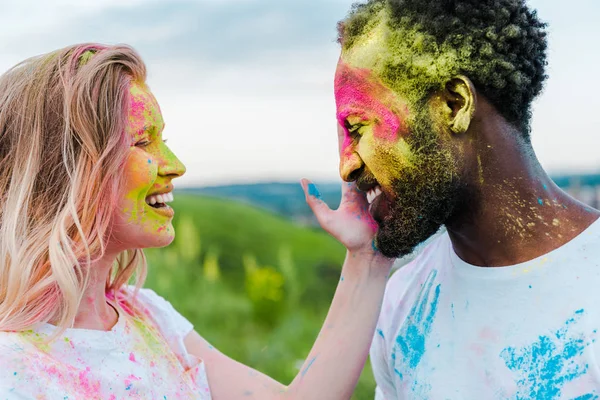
[{"x": 246, "y": 85}]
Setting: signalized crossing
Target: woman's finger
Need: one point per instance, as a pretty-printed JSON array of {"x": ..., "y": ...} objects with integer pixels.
[{"x": 315, "y": 202}]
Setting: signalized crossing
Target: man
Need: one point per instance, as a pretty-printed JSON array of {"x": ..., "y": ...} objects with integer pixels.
[{"x": 434, "y": 103}]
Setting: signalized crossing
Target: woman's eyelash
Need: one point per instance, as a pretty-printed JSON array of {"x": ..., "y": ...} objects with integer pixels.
[{"x": 142, "y": 143}]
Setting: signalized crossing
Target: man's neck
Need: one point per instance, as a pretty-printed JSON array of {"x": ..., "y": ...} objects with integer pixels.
[{"x": 516, "y": 212}]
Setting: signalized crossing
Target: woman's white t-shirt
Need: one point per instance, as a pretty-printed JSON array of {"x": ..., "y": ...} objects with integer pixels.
[{"x": 142, "y": 357}]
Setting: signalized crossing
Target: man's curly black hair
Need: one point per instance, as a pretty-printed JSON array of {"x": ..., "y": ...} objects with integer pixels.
[{"x": 499, "y": 44}]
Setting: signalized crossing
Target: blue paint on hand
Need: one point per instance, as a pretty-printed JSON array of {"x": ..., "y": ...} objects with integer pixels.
[
  {"x": 309, "y": 365},
  {"x": 313, "y": 191},
  {"x": 540, "y": 201}
]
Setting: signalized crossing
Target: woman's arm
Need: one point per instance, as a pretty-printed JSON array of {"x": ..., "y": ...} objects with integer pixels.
[{"x": 337, "y": 358}]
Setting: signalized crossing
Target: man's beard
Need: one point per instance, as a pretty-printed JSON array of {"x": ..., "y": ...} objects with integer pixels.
[{"x": 426, "y": 194}]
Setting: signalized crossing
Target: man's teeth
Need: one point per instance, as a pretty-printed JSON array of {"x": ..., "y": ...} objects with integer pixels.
[
  {"x": 159, "y": 198},
  {"x": 373, "y": 193}
]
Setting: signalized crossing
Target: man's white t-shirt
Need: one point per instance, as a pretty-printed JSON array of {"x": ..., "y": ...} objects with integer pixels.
[
  {"x": 142, "y": 357},
  {"x": 451, "y": 330}
]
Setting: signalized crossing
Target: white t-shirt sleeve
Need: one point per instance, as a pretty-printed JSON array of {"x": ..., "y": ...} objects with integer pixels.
[
  {"x": 378, "y": 354},
  {"x": 171, "y": 322},
  {"x": 380, "y": 348}
]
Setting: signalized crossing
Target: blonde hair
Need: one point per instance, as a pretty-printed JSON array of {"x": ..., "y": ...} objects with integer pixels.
[{"x": 62, "y": 145}]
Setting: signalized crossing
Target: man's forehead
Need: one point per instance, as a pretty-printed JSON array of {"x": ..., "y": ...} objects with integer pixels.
[{"x": 371, "y": 49}]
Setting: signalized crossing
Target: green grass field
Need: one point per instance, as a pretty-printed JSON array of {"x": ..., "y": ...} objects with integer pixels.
[{"x": 254, "y": 284}]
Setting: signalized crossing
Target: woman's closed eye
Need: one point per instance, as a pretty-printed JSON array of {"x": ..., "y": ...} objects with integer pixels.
[{"x": 142, "y": 143}]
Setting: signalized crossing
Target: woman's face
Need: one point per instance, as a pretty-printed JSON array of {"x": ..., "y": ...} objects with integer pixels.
[{"x": 143, "y": 216}]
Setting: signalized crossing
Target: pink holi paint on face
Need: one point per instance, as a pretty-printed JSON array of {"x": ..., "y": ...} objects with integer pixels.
[{"x": 361, "y": 96}]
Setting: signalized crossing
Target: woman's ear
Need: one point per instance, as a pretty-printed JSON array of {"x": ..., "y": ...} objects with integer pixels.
[{"x": 461, "y": 99}]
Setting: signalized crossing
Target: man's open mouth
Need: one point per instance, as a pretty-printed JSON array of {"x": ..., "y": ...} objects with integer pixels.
[{"x": 373, "y": 193}]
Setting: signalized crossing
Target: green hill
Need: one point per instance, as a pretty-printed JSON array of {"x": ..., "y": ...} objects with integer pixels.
[{"x": 254, "y": 284}]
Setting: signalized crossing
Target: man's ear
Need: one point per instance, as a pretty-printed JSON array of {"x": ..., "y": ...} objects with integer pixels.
[{"x": 461, "y": 99}]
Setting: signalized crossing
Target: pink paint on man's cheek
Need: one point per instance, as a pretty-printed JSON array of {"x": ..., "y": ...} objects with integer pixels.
[
  {"x": 356, "y": 94},
  {"x": 390, "y": 128}
]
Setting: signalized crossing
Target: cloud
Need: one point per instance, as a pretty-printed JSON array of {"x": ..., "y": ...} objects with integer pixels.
[{"x": 212, "y": 31}]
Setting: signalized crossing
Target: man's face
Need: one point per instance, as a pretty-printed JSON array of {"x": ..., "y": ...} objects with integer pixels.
[{"x": 394, "y": 153}]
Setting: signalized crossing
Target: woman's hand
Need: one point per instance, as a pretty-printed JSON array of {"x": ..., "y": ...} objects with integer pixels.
[{"x": 351, "y": 223}]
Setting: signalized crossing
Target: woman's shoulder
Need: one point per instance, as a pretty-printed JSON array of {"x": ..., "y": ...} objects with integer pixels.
[{"x": 146, "y": 303}]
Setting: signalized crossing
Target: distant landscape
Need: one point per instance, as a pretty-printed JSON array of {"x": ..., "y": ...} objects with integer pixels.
[{"x": 287, "y": 199}]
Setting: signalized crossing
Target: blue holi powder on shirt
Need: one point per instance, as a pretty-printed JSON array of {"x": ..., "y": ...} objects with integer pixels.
[
  {"x": 589, "y": 396},
  {"x": 313, "y": 191},
  {"x": 545, "y": 366},
  {"x": 541, "y": 201},
  {"x": 411, "y": 343},
  {"x": 380, "y": 332}
]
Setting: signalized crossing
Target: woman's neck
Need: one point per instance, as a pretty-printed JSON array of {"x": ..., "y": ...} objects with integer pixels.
[{"x": 94, "y": 312}]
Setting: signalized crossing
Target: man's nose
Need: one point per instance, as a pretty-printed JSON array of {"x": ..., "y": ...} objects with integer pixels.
[{"x": 351, "y": 165}]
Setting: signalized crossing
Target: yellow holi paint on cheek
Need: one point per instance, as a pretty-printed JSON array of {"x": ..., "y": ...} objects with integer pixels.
[
  {"x": 387, "y": 161},
  {"x": 141, "y": 174}
]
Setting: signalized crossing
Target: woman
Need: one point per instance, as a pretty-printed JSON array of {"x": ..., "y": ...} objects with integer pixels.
[{"x": 85, "y": 184}]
